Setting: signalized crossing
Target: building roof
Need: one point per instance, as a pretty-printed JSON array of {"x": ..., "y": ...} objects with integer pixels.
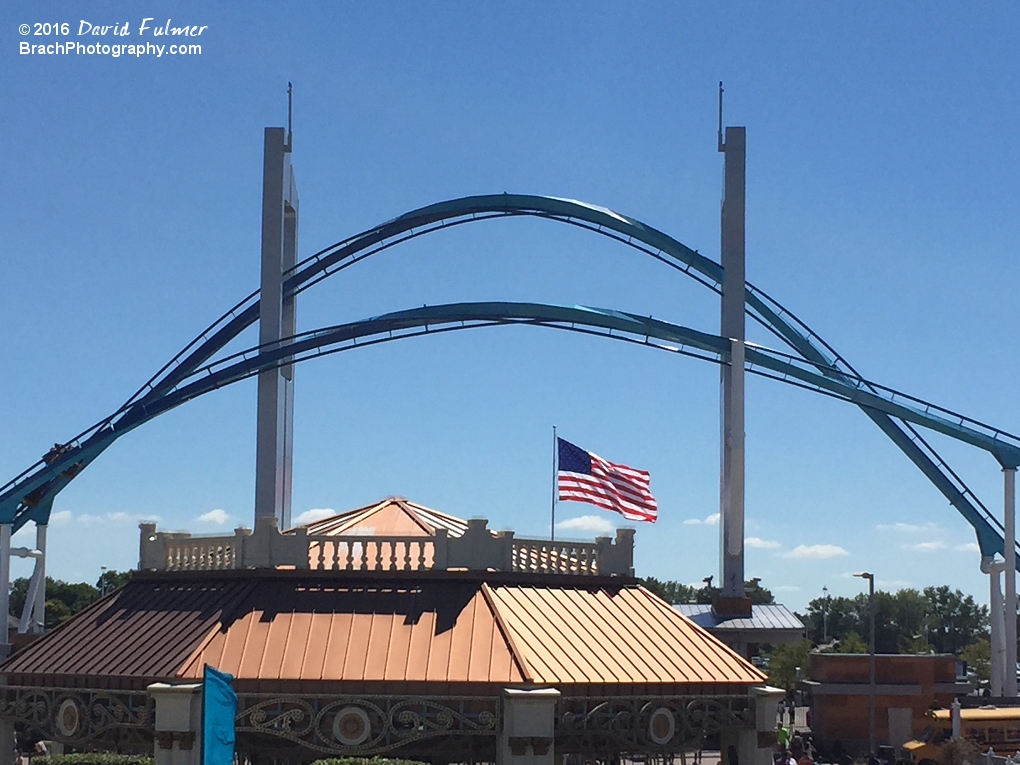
[
  {"x": 772, "y": 617},
  {"x": 394, "y": 516},
  {"x": 455, "y": 632}
]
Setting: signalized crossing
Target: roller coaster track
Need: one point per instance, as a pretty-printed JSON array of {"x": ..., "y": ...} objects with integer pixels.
[{"x": 815, "y": 365}]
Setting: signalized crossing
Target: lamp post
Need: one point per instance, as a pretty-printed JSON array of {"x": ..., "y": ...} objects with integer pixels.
[
  {"x": 871, "y": 651},
  {"x": 825, "y": 614}
]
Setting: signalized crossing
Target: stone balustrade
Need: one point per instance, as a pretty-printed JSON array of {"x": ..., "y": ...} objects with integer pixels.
[{"x": 478, "y": 549}]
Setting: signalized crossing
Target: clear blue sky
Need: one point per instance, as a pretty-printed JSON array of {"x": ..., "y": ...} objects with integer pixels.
[{"x": 882, "y": 208}]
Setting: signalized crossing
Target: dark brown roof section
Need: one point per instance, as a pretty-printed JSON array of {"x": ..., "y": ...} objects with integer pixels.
[
  {"x": 142, "y": 633},
  {"x": 438, "y": 632}
]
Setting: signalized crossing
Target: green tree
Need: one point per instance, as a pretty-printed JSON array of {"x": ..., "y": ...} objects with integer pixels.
[
  {"x": 954, "y": 619},
  {"x": 978, "y": 656},
  {"x": 113, "y": 579},
  {"x": 677, "y": 593},
  {"x": 783, "y": 661},
  {"x": 63, "y": 599},
  {"x": 671, "y": 592},
  {"x": 853, "y": 643}
]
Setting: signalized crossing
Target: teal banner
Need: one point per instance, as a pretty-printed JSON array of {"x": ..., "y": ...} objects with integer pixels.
[{"x": 219, "y": 707}]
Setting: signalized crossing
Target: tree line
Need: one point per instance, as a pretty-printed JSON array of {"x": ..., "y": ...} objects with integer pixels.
[
  {"x": 908, "y": 621},
  {"x": 65, "y": 599}
]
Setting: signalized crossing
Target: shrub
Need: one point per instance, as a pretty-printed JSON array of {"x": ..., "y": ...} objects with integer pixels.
[
  {"x": 364, "y": 761},
  {"x": 93, "y": 758}
]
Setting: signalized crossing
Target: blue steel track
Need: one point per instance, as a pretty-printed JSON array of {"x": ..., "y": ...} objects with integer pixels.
[{"x": 813, "y": 364}]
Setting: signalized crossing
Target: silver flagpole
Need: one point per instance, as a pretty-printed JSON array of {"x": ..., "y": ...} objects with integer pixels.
[{"x": 552, "y": 525}]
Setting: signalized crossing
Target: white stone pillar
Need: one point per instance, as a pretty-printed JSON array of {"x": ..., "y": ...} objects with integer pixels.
[
  {"x": 178, "y": 723},
  {"x": 529, "y": 724},
  {"x": 7, "y": 754},
  {"x": 766, "y": 703}
]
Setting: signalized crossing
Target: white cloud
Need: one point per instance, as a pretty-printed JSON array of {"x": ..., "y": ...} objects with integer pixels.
[
  {"x": 815, "y": 552},
  {"x": 711, "y": 520},
  {"x": 926, "y": 546},
  {"x": 313, "y": 515},
  {"x": 968, "y": 547},
  {"x": 594, "y": 523},
  {"x": 64, "y": 517},
  {"x": 908, "y": 527},
  {"x": 785, "y": 588},
  {"x": 762, "y": 544},
  {"x": 217, "y": 516},
  {"x": 893, "y": 584}
]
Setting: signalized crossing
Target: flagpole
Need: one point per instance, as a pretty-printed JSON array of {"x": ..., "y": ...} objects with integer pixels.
[{"x": 552, "y": 525}]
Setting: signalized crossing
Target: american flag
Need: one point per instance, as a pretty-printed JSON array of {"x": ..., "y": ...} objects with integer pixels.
[{"x": 586, "y": 477}]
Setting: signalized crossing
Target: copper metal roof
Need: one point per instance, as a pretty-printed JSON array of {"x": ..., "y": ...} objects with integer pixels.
[
  {"x": 394, "y": 516},
  {"x": 609, "y": 635},
  {"x": 452, "y": 631}
]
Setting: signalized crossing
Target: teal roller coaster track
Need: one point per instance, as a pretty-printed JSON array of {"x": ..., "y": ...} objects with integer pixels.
[{"x": 810, "y": 363}]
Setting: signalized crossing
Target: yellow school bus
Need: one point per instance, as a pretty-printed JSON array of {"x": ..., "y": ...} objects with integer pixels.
[{"x": 987, "y": 727}]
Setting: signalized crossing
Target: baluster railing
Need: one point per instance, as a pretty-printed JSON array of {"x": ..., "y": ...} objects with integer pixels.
[{"x": 477, "y": 549}]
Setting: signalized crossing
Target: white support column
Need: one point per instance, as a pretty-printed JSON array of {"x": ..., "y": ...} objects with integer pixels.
[
  {"x": 997, "y": 624},
  {"x": 731, "y": 500},
  {"x": 274, "y": 440},
  {"x": 766, "y": 703},
  {"x": 39, "y": 608},
  {"x": 5, "y": 588},
  {"x": 1009, "y": 558},
  {"x": 7, "y": 753}
]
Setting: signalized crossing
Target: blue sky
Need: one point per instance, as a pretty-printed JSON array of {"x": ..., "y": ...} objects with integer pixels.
[{"x": 882, "y": 208}]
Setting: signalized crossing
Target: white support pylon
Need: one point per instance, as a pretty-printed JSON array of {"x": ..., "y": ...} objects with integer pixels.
[
  {"x": 277, "y": 320},
  {"x": 997, "y": 624},
  {"x": 1009, "y": 561},
  {"x": 731, "y": 480},
  {"x": 5, "y": 588}
]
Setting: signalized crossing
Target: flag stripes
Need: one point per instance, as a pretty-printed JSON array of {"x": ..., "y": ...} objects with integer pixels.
[{"x": 586, "y": 477}]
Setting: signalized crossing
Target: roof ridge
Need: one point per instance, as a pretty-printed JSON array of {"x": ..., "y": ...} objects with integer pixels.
[
  {"x": 408, "y": 508},
  {"x": 518, "y": 656}
]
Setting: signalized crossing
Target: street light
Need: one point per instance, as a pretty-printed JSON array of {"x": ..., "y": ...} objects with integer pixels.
[
  {"x": 871, "y": 650},
  {"x": 825, "y": 614}
]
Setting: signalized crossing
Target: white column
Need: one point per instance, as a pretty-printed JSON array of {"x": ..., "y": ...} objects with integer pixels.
[
  {"x": 7, "y": 754},
  {"x": 529, "y": 727},
  {"x": 39, "y": 608},
  {"x": 766, "y": 702},
  {"x": 731, "y": 500},
  {"x": 5, "y": 588},
  {"x": 274, "y": 432},
  {"x": 1009, "y": 556},
  {"x": 997, "y": 624},
  {"x": 178, "y": 723}
]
